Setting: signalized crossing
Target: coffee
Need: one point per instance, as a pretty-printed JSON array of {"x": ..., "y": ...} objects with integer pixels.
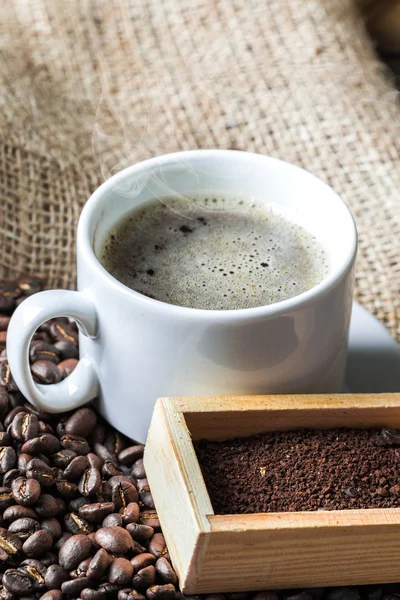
[{"x": 213, "y": 252}]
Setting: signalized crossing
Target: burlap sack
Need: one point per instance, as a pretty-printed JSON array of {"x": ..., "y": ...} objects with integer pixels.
[{"x": 90, "y": 86}]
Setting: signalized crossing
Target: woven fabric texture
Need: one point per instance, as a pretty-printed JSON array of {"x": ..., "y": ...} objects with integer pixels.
[{"x": 91, "y": 86}]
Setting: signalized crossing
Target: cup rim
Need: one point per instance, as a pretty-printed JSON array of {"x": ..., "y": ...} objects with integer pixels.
[{"x": 85, "y": 247}]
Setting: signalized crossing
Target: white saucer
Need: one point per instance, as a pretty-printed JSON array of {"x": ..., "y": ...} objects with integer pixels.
[{"x": 373, "y": 363}]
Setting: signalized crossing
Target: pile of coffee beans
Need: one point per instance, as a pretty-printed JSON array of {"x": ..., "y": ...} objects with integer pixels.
[{"x": 77, "y": 518}]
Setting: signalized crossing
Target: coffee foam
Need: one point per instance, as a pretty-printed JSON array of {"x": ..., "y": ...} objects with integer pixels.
[{"x": 213, "y": 252}]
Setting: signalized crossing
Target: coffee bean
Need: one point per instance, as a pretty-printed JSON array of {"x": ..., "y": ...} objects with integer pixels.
[
  {"x": 38, "y": 543},
  {"x": 113, "y": 520},
  {"x": 11, "y": 476},
  {"x": 144, "y": 578},
  {"x": 37, "y": 469},
  {"x": 36, "y": 570},
  {"x": 62, "y": 459},
  {"x": 25, "y": 491},
  {"x": 4, "y": 321},
  {"x": 4, "y": 403},
  {"x": 76, "y": 443},
  {"x": 111, "y": 589},
  {"x": 130, "y": 513},
  {"x": 120, "y": 571},
  {"x": 55, "y": 577},
  {"x": 137, "y": 548},
  {"x": 73, "y": 587},
  {"x": 41, "y": 351},
  {"x": 30, "y": 285},
  {"x": 99, "y": 564},
  {"x": 81, "y": 423},
  {"x": 150, "y": 517},
  {"x": 76, "y": 468},
  {"x": 123, "y": 494},
  {"x": 59, "y": 543},
  {"x": 24, "y": 528},
  {"x": 45, "y": 371},
  {"x": 165, "y": 571},
  {"x": 161, "y": 592},
  {"x": 110, "y": 470},
  {"x": 105, "y": 492},
  {"x": 94, "y": 461},
  {"x": 104, "y": 454},
  {"x": 14, "y": 411},
  {"x": 157, "y": 545},
  {"x": 7, "y": 381},
  {"x": 43, "y": 444},
  {"x": 75, "y": 549},
  {"x": 24, "y": 426},
  {"x": 5, "y": 594},
  {"x": 49, "y": 559},
  {"x": 130, "y": 594},
  {"x": 76, "y": 525},
  {"x": 141, "y": 561},
  {"x": 75, "y": 504},
  {"x": 18, "y": 582},
  {"x": 139, "y": 532},
  {"x": 299, "y": 596},
  {"x": 114, "y": 539},
  {"x": 52, "y": 595},
  {"x": 130, "y": 455},
  {"x": 49, "y": 506},
  {"x": 96, "y": 512},
  {"x": 7, "y": 499},
  {"x": 67, "y": 489},
  {"x": 90, "y": 482},
  {"x": 343, "y": 593},
  {"x": 5, "y": 439},
  {"x": 19, "y": 512},
  {"x": 138, "y": 470},
  {"x": 67, "y": 366},
  {"x": 10, "y": 545},
  {"x": 63, "y": 331},
  {"x": 23, "y": 460},
  {"x": 8, "y": 459},
  {"x": 114, "y": 441},
  {"x": 53, "y": 527}
]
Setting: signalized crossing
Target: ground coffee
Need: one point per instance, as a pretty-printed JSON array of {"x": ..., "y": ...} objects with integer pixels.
[{"x": 302, "y": 470}]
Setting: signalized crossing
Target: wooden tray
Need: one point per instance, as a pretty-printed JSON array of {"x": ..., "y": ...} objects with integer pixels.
[{"x": 229, "y": 553}]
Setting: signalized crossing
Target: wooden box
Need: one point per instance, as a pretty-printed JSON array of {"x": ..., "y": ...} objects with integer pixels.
[{"x": 213, "y": 553}]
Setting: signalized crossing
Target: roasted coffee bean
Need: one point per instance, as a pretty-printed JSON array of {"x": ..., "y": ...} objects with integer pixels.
[
  {"x": 130, "y": 513},
  {"x": 113, "y": 520},
  {"x": 43, "y": 444},
  {"x": 138, "y": 470},
  {"x": 150, "y": 517},
  {"x": 62, "y": 459},
  {"x": 38, "y": 544},
  {"x": 96, "y": 512},
  {"x": 130, "y": 594},
  {"x": 39, "y": 470},
  {"x": 49, "y": 506},
  {"x": 130, "y": 455},
  {"x": 75, "y": 549},
  {"x": 19, "y": 512},
  {"x": 123, "y": 494},
  {"x": 105, "y": 492},
  {"x": 49, "y": 559},
  {"x": 141, "y": 561},
  {"x": 45, "y": 371},
  {"x": 25, "y": 491},
  {"x": 94, "y": 461},
  {"x": 120, "y": 571},
  {"x": 10, "y": 476},
  {"x": 139, "y": 532},
  {"x": 110, "y": 470},
  {"x": 299, "y": 596},
  {"x": 114, "y": 539},
  {"x": 40, "y": 414},
  {"x": 23, "y": 461},
  {"x": 99, "y": 434},
  {"x": 10, "y": 545},
  {"x": 52, "y": 595},
  {"x": 161, "y": 592},
  {"x": 36, "y": 570},
  {"x": 75, "y": 504},
  {"x": 4, "y": 321},
  {"x": 67, "y": 349},
  {"x": 18, "y": 582},
  {"x": 157, "y": 545},
  {"x": 24, "y": 426},
  {"x": 5, "y": 594},
  {"x": 90, "y": 482},
  {"x": 73, "y": 587},
  {"x": 67, "y": 489},
  {"x": 76, "y": 525},
  {"x": 45, "y": 428},
  {"x": 10, "y": 416},
  {"x": 7, "y": 499},
  {"x": 99, "y": 564},
  {"x": 104, "y": 454},
  {"x": 5, "y": 439},
  {"x": 55, "y": 577},
  {"x": 67, "y": 366},
  {"x": 59, "y": 543},
  {"x": 343, "y": 593},
  {"x": 76, "y": 468},
  {"x": 144, "y": 578},
  {"x": 166, "y": 573},
  {"x": 137, "y": 548},
  {"x": 4, "y": 403},
  {"x": 76, "y": 443},
  {"x": 90, "y": 594},
  {"x": 8, "y": 383},
  {"x": 30, "y": 285},
  {"x": 111, "y": 589},
  {"x": 8, "y": 459},
  {"x": 114, "y": 441},
  {"x": 147, "y": 499},
  {"x": 41, "y": 351},
  {"x": 53, "y": 527},
  {"x": 63, "y": 331},
  {"x": 24, "y": 528},
  {"x": 81, "y": 423}
]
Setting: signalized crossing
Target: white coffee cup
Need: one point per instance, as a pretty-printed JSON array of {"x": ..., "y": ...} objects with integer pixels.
[{"x": 134, "y": 348}]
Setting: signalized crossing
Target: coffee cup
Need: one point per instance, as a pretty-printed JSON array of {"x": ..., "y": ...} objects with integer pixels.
[{"x": 134, "y": 349}]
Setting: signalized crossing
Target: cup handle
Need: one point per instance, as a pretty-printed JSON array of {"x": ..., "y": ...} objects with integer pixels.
[{"x": 82, "y": 384}]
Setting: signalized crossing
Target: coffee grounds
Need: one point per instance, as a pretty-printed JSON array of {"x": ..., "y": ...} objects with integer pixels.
[{"x": 303, "y": 470}]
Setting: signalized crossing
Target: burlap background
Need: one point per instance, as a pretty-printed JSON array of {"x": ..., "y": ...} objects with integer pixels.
[{"x": 90, "y": 86}]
